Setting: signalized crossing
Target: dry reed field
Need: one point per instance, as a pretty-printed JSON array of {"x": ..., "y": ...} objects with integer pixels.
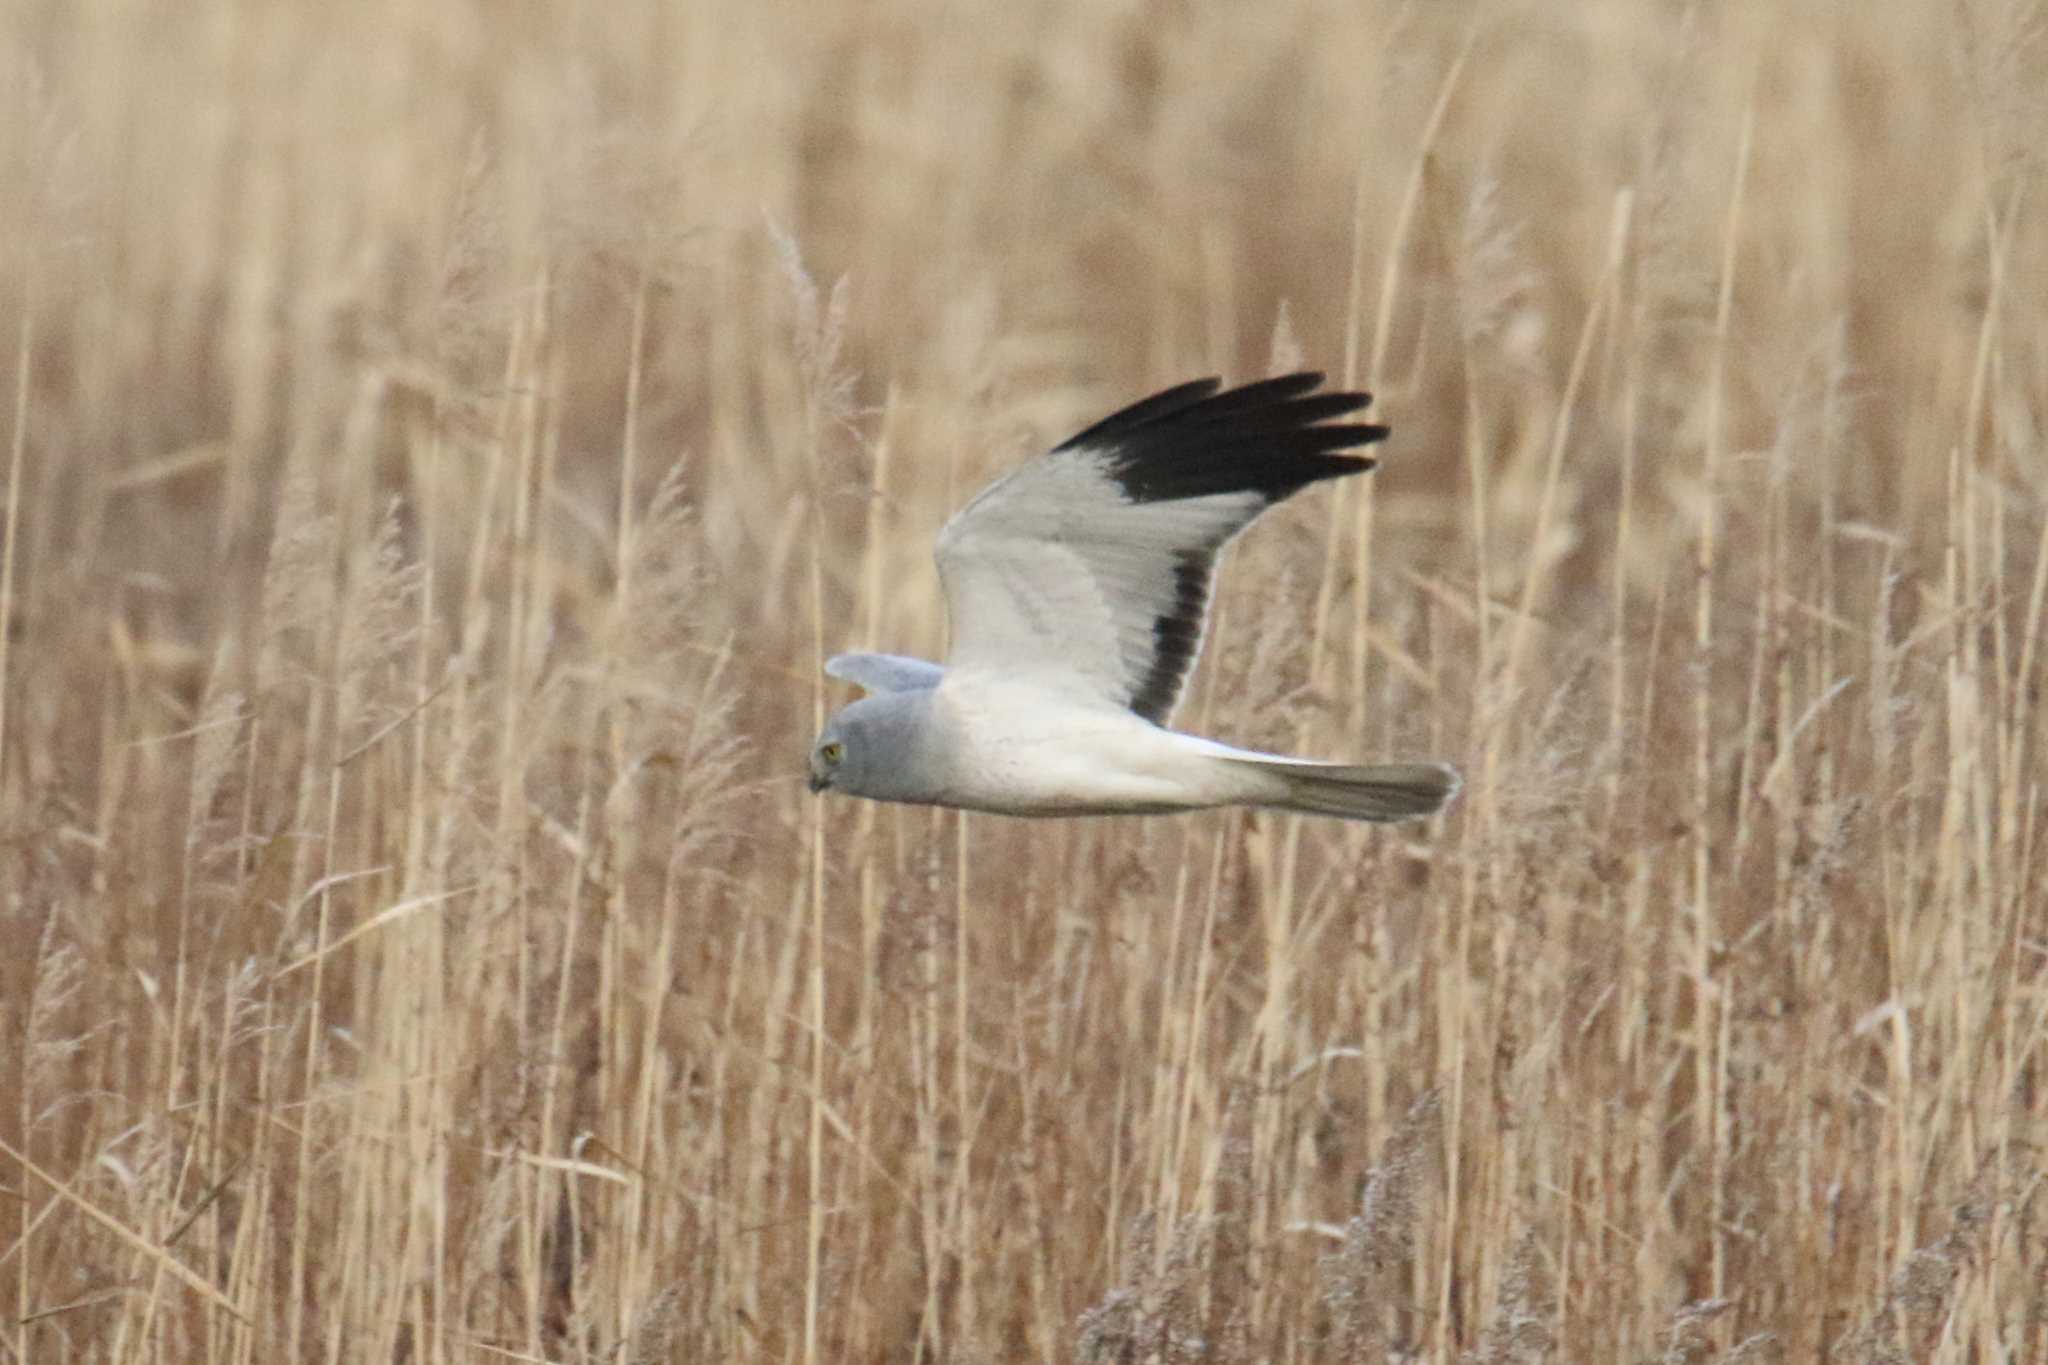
[{"x": 442, "y": 441}]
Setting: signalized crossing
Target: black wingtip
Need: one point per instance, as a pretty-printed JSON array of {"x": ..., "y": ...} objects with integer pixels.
[
  {"x": 1274, "y": 437},
  {"x": 1160, "y": 405}
]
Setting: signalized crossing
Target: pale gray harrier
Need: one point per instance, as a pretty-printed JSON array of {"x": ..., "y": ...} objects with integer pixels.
[{"x": 1078, "y": 589}]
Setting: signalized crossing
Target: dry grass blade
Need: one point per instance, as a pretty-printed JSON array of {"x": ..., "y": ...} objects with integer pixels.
[{"x": 151, "y": 1254}]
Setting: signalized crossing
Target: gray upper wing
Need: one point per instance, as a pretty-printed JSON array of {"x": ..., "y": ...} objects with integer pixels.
[
  {"x": 885, "y": 672},
  {"x": 1089, "y": 569}
]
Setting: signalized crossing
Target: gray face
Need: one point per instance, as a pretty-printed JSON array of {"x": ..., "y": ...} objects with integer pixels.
[
  {"x": 827, "y": 755},
  {"x": 875, "y": 748}
]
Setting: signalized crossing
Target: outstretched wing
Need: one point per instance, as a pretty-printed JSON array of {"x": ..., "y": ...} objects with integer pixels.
[{"x": 1089, "y": 569}]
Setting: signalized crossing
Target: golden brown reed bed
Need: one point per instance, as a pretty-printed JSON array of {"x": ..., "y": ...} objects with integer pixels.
[{"x": 442, "y": 440}]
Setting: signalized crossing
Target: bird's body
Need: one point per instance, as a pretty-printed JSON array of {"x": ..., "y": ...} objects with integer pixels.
[
  {"x": 1078, "y": 588},
  {"x": 1087, "y": 759}
]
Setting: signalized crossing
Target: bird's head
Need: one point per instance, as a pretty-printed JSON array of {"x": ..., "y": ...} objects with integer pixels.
[
  {"x": 828, "y": 754},
  {"x": 876, "y": 748}
]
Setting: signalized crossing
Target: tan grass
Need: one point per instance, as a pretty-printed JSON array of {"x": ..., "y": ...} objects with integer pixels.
[{"x": 441, "y": 442}]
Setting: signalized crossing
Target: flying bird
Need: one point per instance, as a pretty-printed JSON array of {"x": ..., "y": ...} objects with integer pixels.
[{"x": 1078, "y": 590}]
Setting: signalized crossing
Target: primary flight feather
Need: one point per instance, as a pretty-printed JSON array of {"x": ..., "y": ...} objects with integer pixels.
[{"x": 1078, "y": 590}]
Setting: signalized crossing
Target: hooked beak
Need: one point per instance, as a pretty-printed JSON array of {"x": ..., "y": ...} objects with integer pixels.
[{"x": 819, "y": 782}]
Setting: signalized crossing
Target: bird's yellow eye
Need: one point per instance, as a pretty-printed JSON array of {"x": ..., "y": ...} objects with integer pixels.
[{"x": 832, "y": 752}]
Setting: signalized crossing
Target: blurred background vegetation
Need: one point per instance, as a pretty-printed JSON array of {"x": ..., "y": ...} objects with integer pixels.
[{"x": 442, "y": 441}]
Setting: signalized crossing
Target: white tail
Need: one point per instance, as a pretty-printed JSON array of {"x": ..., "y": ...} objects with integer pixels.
[{"x": 1379, "y": 791}]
